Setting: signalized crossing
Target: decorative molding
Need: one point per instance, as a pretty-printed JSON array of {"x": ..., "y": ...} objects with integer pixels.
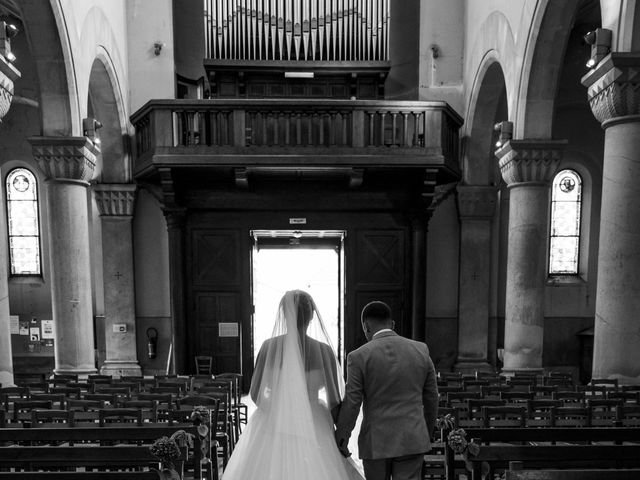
[
  {"x": 65, "y": 158},
  {"x": 613, "y": 87},
  {"x": 530, "y": 161},
  {"x": 441, "y": 193},
  {"x": 8, "y": 75},
  {"x": 115, "y": 200},
  {"x": 477, "y": 201}
]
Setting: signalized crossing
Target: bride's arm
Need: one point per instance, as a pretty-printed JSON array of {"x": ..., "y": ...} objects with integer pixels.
[{"x": 254, "y": 391}]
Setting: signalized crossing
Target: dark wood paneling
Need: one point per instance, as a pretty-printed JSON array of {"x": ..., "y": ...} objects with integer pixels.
[
  {"x": 380, "y": 258},
  {"x": 216, "y": 258}
]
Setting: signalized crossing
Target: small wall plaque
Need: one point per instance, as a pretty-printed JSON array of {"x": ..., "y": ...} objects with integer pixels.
[
  {"x": 298, "y": 221},
  {"x": 228, "y": 330},
  {"x": 119, "y": 328}
]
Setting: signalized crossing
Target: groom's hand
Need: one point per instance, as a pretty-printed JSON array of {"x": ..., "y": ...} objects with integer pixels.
[{"x": 343, "y": 444}]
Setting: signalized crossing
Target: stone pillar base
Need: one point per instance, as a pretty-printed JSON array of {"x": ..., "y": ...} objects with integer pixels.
[
  {"x": 119, "y": 368},
  {"x": 6, "y": 379},
  {"x": 473, "y": 366},
  {"x": 81, "y": 372}
]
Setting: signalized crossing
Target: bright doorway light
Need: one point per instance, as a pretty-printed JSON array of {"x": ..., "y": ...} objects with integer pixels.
[{"x": 277, "y": 270}]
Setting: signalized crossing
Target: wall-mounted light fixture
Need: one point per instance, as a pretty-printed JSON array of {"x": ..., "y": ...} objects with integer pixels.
[
  {"x": 157, "y": 47},
  {"x": 435, "y": 51},
  {"x": 90, "y": 128},
  {"x": 506, "y": 132},
  {"x": 7, "y": 32},
  {"x": 600, "y": 41}
]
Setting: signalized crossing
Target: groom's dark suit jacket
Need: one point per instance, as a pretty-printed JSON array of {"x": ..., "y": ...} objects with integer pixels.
[{"x": 394, "y": 378}]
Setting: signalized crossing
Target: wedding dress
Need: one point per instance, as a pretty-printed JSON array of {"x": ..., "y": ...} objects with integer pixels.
[{"x": 295, "y": 385}]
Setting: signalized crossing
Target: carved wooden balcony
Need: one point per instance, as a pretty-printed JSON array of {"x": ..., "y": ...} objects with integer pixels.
[{"x": 291, "y": 134}]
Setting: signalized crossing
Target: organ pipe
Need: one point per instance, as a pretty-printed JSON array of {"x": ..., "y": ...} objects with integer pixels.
[{"x": 312, "y": 30}]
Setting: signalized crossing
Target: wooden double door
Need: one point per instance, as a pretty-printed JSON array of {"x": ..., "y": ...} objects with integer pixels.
[{"x": 219, "y": 310}]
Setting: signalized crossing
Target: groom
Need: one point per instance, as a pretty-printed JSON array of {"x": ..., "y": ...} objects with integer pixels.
[{"x": 396, "y": 380}]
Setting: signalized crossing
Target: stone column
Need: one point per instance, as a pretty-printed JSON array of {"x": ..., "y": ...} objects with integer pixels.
[
  {"x": 476, "y": 206},
  {"x": 175, "y": 227},
  {"x": 8, "y": 74},
  {"x": 115, "y": 203},
  {"x": 528, "y": 167},
  {"x": 68, "y": 164},
  {"x": 614, "y": 95}
]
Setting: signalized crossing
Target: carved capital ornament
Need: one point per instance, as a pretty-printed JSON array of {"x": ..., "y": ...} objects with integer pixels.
[
  {"x": 115, "y": 200},
  {"x": 530, "y": 161},
  {"x": 65, "y": 158},
  {"x": 613, "y": 87}
]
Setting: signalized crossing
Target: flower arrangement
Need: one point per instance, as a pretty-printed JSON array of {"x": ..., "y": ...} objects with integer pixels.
[
  {"x": 457, "y": 441},
  {"x": 166, "y": 450},
  {"x": 201, "y": 418},
  {"x": 445, "y": 423}
]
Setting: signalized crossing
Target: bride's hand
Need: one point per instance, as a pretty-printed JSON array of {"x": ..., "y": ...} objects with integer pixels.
[{"x": 335, "y": 412}]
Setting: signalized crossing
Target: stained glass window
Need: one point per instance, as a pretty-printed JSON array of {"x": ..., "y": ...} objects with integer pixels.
[
  {"x": 566, "y": 206},
  {"x": 24, "y": 230}
]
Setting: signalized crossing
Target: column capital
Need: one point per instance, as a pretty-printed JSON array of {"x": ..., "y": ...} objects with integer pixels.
[
  {"x": 8, "y": 75},
  {"x": 530, "y": 161},
  {"x": 613, "y": 87},
  {"x": 115, "y": 199},
  {"x": 476, "y": 201},
  {"x": 65, "y": 158}
]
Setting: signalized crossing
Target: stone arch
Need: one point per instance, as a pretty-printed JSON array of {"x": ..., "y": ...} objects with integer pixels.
[
  {"x": 543, "y": 59},
  {"x": 105, "y": 103},
  {"x": 488, "y": 105},
  {"x": 46, "y": 30}
]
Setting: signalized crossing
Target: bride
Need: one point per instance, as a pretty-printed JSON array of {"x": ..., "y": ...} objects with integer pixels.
[{"x": 296, "y": 387}]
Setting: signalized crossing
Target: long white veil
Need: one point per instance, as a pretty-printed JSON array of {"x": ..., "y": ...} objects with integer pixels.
[{"x": 296, "y": 384}]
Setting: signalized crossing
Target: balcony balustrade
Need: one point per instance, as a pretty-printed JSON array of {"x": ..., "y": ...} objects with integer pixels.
[{"x": 283, "y": 131}]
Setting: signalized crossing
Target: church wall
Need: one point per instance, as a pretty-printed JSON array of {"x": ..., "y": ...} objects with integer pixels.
[
  {"x": 151, "y": 266},
  {"x": 442, "y": 283},
  {"x": 404, "y": 48},
  {"x": 150, "y": 75},
  {"x": 441, "y": 52}
]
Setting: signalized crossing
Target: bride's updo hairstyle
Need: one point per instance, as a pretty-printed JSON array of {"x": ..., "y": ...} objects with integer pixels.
[{"x": 304, "y": 309}]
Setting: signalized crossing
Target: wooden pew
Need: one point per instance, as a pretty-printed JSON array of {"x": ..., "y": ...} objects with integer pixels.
[
  {"x": 113, "y": 433},
  {"x": 516, "y": 472},
  {"x": 519, "y": 436},
  {"x": 38, "y": 458}
]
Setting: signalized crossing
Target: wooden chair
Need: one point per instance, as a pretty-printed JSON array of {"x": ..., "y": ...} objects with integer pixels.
[
  {"x": 120, "y": 415},
  {"x": 25, "y": 406},
  {"x": 516, "y": 396},
  {"x": 545, "y": 391},
  {"x": 494, "y": 378},
  {"x": 603, "y": 411},
  {"x": 82, "y": 405},
  {"x": 149, "y": 408},
  {"x": 44, "y": 416},
  {"x": 165, "y": 400},
  {"x": 628, "y": 416},
  {"x": 505, "y": 416},
  {"x": 570, "y": 399},
  {"x": 100, "y": 378},
  {"x": 570, "y": 417},
  {"x": 493, "y": 391},
  {"x": 119, "y": 391},
  {"x": 3, "y": 419},
  {"x": 474, "y": 416},
  {"x": 107, "y": 398},
  {"x": 522, "y": 384},
  {"x": 224, "y": 431},
  {"x": 629, "y": 397},
  {"x": 204, "y": 364},
  {"x": 610, "y": 383},
  {"x": 58, "y": 398},
  {"x": 241, "y": 410},
  {"x": 174, "y": 390},
  {"x": 539, "y": 412},
  {"x": 67, "y": 391},
  {"x": 473, "y": 385}
]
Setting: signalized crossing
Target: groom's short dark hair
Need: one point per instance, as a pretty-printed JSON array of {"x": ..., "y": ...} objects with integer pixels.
[{"x": 376, "y": 311}]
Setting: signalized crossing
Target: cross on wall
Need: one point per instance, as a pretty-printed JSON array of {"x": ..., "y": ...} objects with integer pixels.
[{"x": 118, "y": 275}]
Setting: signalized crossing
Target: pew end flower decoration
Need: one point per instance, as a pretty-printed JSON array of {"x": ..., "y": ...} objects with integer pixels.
[
  {"x": 457, "y": 441},
  {"x": 167, "y": 451},
  {"x": 201, "y": 418}
]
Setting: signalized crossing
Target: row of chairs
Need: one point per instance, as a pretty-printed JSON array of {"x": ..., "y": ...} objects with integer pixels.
[{"x": 543, "y": 413}]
